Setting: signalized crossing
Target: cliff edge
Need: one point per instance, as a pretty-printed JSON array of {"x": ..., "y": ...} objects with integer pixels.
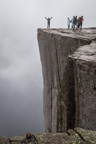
[{"x": 69, "y": 75}]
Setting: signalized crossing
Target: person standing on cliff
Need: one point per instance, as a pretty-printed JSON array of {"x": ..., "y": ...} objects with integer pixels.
[
  {"x": 81, "y": 21},
  {"x": 72, "y": 22},
  {"x": 48, "y": 22},
  {"x": 68, "y": 22}
]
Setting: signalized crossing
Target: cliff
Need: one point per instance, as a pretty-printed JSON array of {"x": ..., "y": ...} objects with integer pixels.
[
  {"x": 69, "y": 75},
  {"x": 76, "y": 136}
]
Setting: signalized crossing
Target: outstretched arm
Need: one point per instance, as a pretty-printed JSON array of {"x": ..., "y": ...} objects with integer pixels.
[
  {"x": 46, "y": 18},
  {"x": 51, "y": 18}
]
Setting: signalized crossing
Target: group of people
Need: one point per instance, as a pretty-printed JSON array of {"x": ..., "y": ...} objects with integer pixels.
[{"x": 76, "y": 23}]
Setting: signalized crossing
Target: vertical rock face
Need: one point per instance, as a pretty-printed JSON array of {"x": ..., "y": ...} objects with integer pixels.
[
  {"x": 84, "y": 61},
  {"x": 60, "y": 107}
]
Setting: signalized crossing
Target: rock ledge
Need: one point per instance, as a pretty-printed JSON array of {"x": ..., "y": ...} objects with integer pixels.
[{"x": 76, "y": 136}]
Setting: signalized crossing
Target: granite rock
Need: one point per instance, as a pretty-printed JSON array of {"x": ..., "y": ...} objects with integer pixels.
[
  {"x": 4, "y": 140},
  {"x": 59, "y": 95},
  {"x": 84, "y": 67},
  {"x": 75, "y": 136}
]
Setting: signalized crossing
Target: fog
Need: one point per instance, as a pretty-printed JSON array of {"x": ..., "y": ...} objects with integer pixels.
[{"x": 21, "y": 83}]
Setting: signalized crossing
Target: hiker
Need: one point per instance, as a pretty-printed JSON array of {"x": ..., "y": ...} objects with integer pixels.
[
  {"x": 75, "y": 21},
  {"x": 78, "y": 22},
  {"x": 81, "y": 21},
  {"x": 48, "y": 22},
  {"x": 68, "y": 22},
  {"x": 72, "y": 22}
]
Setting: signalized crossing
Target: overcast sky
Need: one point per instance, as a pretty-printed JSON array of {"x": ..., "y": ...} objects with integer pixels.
[{"x": 21, "y": 84}]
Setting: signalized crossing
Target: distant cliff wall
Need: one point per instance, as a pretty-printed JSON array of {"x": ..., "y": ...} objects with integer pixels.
[{"x": 62, "y": 101}]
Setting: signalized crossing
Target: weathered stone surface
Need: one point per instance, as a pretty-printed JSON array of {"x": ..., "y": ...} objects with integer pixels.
[
  {"x": 60, "y": 107},
  {"x": 87, "y": 135},
  {"x": 18, "y": 140},
  {"x": 84, "y": 60},
  {"x": 4, "y": 140},
  {"x": 76, "y": 136}
]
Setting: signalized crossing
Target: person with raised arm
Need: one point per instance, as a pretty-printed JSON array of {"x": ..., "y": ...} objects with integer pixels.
[{"x": 48, "y": 21}]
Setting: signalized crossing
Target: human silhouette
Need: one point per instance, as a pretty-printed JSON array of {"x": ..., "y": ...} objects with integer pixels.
[
  {"x": 81, "y": 22},
  {"x": 48, "y": 22},
  {"x": 68, "y": 22}
]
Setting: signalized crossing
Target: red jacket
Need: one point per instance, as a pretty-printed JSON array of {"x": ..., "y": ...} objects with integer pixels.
[{"x": 81, "y": 19}]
